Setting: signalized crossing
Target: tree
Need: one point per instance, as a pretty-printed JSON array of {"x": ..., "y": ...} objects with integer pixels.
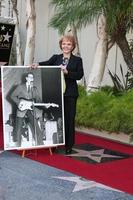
[
  {"x": 18, "y": 43},
  {"x": 31, "y": 30},
  {"x": 100, "y": 57},
  {"x": 1, "y": 6},
  {"x": 118, "y": 18}
]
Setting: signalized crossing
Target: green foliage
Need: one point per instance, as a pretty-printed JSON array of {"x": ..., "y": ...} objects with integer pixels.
[
  {"x": 78, "y": 12},
  {"x": 108, "y": 89},
  {"x": 84, "y": 12},
  {"x": 105, "y": 112},
  {"x": 82, "y": 91},
  {"x": 122, "y": 85}
]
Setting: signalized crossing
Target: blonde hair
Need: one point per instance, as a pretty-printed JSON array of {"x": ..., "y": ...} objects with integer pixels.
[{"x": 69, "y": 38}]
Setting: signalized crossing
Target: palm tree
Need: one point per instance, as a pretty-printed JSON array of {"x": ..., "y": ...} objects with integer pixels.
[
  {"x": 18, "y": 43},
  {"x": 31, "y": 32},
  {"x": 118, "y": 21},
  {"x": 1, "y": 6}
]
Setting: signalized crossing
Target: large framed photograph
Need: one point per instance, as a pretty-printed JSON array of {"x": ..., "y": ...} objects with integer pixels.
[{"x": 33, "y": 114}]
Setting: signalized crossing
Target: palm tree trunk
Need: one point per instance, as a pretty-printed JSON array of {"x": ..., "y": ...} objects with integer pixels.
[
  {"x": 2, "y": 6},
  {"x": 18, "y": 43},
  {"x": 100, "y": 57},
  {"x": 73, "y": 31},
  {"x": 31, "y": 29},
  {"x": 123, "y": 45}
]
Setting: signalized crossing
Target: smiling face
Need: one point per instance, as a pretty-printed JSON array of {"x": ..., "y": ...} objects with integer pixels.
[{"x": 66, "y": 46}]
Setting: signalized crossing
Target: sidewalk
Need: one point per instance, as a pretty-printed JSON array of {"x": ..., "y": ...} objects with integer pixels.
[
  {"x": 117, "y": 137},
  {"x": 21, "y": 178}
]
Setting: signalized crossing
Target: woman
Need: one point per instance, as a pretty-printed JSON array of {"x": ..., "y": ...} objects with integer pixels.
[{"x": 72, "y": 68}]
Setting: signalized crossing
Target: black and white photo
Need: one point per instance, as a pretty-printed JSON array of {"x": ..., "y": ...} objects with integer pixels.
[{"x": 33, "y": 114}]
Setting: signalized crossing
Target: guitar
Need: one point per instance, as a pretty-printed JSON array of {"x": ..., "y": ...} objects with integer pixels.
[{"x": 28, "y": 105}]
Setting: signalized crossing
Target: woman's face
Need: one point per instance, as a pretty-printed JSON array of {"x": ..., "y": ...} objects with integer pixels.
[{"x": 66, "y": 46}]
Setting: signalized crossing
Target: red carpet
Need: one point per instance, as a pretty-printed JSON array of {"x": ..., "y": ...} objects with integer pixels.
[{"x": 117, "y": 173}]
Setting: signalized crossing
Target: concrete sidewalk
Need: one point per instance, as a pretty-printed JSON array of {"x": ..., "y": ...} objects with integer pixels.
[
  {"x": 116, "y": 137},
  {"x": 25, "y": 179}
]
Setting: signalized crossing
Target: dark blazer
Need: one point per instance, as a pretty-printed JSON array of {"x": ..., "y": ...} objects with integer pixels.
[{"x": 75, "y": 72}]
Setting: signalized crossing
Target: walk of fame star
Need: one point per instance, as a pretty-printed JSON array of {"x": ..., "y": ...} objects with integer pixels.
[
  {"x": 95, "y": 155},
  {"x": 82, "y": 183}
]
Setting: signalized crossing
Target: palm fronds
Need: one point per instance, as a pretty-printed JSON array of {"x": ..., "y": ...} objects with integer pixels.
[{"x": 122, "y": 85}]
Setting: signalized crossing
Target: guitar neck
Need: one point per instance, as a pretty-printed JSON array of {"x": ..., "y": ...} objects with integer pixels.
[
  {"x": 47, "y": 105},
  {"x": 41, "y": 104}
]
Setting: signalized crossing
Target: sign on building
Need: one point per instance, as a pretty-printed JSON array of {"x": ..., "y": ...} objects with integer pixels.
[{"x": 6, "y": 39}]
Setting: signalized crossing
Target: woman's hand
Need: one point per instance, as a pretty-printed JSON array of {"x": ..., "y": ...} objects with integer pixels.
[
  {"x": 63, "y": 68},
  {"x": 34, "y": 65}
]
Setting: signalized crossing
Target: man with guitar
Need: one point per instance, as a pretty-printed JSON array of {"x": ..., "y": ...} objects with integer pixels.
[{"x": 26, "y": 97}]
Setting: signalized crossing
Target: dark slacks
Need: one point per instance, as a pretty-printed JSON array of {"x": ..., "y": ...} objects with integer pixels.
[
  {"x": 69, "y": 115},
  {"x": 36, "y": 132}
]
